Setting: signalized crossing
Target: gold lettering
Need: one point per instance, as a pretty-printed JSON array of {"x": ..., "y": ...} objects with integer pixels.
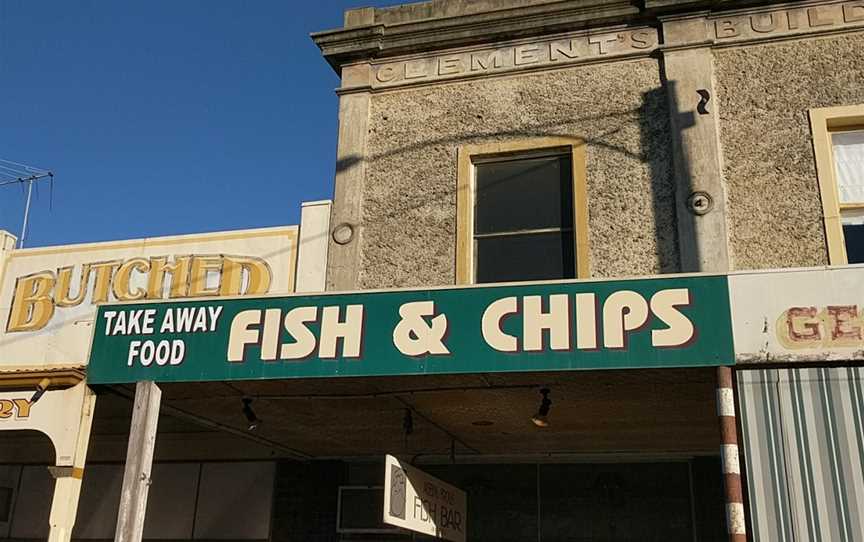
[
  {"x": 32, "y": 306},
  {"x": 23, "y": 408},
  {"x": 201, "y": 268},
  {"x": 64, "y": 286},
  {"x": 179, "y": 270},
  {"x": 102, "y": 283},
  {"x": 124, "y": 276},
  {"x": 257, "y": 271},
  {"x": 7, "y": 407}
]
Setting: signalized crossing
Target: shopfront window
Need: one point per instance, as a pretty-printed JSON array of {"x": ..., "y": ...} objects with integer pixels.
[{"x": 522, "y": 212}]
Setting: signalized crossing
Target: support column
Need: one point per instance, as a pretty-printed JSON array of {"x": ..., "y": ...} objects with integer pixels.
[
  {"x": 346, "y": 222},
  {"x": 139, "y": 462},
  {"x": 735, "y": 522},
  {"x": 688, "y": 69},
  {"x": 688, "y": 66},
  {"x": 67, "y": 485}
]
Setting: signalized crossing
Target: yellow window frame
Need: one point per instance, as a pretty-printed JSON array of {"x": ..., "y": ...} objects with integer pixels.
[
  {"x": 824, "y": 122},
  {"x": 469, "y": 155}
]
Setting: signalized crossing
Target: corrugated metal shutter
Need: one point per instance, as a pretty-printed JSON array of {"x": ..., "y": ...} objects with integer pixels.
[{"x": 804, "y": 453}]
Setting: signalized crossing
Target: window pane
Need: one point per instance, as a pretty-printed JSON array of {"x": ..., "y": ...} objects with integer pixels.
[
  {"x": 849, "y": 164},
  {"x": 853, "y": 234},
  {"x": 523, "y": 194},
  {"x": 525, "y": 257}
]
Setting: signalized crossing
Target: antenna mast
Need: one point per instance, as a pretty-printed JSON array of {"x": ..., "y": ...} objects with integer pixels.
[{"x": 15, "y": 173}]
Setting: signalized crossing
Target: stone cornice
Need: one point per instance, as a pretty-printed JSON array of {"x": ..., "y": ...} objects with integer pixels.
[
  {"x": 375, "y": 33},
  {"x": 380, "y": 39}
]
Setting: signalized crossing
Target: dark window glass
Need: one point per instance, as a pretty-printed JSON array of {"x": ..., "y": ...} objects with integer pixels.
[
  {"x": 530, "y": 193},
  {"x": 362, "y": 508},
  {"x": 5, "y": 504},
  {"x": 854, "y": 235},
  {"x": 537, "y": 256}
]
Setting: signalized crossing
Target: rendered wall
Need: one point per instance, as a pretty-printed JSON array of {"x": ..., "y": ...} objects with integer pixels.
[
  {"x": 409, "y": 203},
  {"x": 774, "y": 208}
]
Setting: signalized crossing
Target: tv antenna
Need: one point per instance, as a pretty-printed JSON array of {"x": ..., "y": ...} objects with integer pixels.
[{"x": 15, "y": 173}]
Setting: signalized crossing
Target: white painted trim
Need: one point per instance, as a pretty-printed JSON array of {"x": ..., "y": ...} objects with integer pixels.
[
  {"x": 725, "y": 402},
  {"x": 731, "y": 461},
  {"x": 313, "y": 243}
]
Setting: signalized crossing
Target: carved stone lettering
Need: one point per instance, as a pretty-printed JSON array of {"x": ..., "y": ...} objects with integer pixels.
[
  {"x": 415, "y": 69},
  {"x": 385, "y": 74},
  {"x": 486, "y": 60},
  {"x": 820, "y": 16},
  {"x": 604, "y": 42},
  {"x": 563, "y": 49},
  {"x": 794, "y": 18},
  {"x": 643, "y": 39},
  {"x": 764, "y": 22},
  {"x": 527, "y": 54},
  {"x": 449, "y": 65},
  {"x": 726, "y": 28},
  {"x": 789, "y": 21},
  {"x": 574, "y": 48},
  {"x": 853, "y": 12}
]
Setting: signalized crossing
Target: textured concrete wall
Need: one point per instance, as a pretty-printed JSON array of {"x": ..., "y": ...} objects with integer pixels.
[
  {"x": 409, "y": 205},
  {"x": 775, "y": 213}
]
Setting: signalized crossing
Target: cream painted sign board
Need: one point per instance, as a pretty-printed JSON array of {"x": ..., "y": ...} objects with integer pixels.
[
  {"x": 798, "y": 315},
  {"x": 49, "y": 295},
  {"x": 57, "y": 413},
  {"x": 420, "y": 502}
]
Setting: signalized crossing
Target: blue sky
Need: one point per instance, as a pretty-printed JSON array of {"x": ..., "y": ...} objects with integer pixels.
[{"x": 164, "y": 117}]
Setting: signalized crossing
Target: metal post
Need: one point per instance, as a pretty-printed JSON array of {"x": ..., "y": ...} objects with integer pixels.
[
  {"x": 729, "y": 456},
  {"x": 139, "y": 461},
  {"x": 26, "y": 213}
]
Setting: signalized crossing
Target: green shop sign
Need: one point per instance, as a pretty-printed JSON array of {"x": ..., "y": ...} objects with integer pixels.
[{"x": 658, "y": 322}]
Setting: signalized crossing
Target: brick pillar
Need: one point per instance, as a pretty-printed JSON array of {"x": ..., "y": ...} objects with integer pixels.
[{"x": 735, "y": 524}]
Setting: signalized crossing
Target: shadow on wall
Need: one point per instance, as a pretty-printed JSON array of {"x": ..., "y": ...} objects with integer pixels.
[
  {"x": 687, "y": 245},
  {"x": 655, "y": 150},
  {"x": 657, "y": 141}
]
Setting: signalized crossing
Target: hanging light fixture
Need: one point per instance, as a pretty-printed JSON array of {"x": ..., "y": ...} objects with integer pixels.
[
  {"x": 253, "y": 420},
  {"x": 541, "y": 419}
]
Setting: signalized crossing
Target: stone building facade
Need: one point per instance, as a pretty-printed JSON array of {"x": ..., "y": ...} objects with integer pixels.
[{"x": 700, "y": 138}]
